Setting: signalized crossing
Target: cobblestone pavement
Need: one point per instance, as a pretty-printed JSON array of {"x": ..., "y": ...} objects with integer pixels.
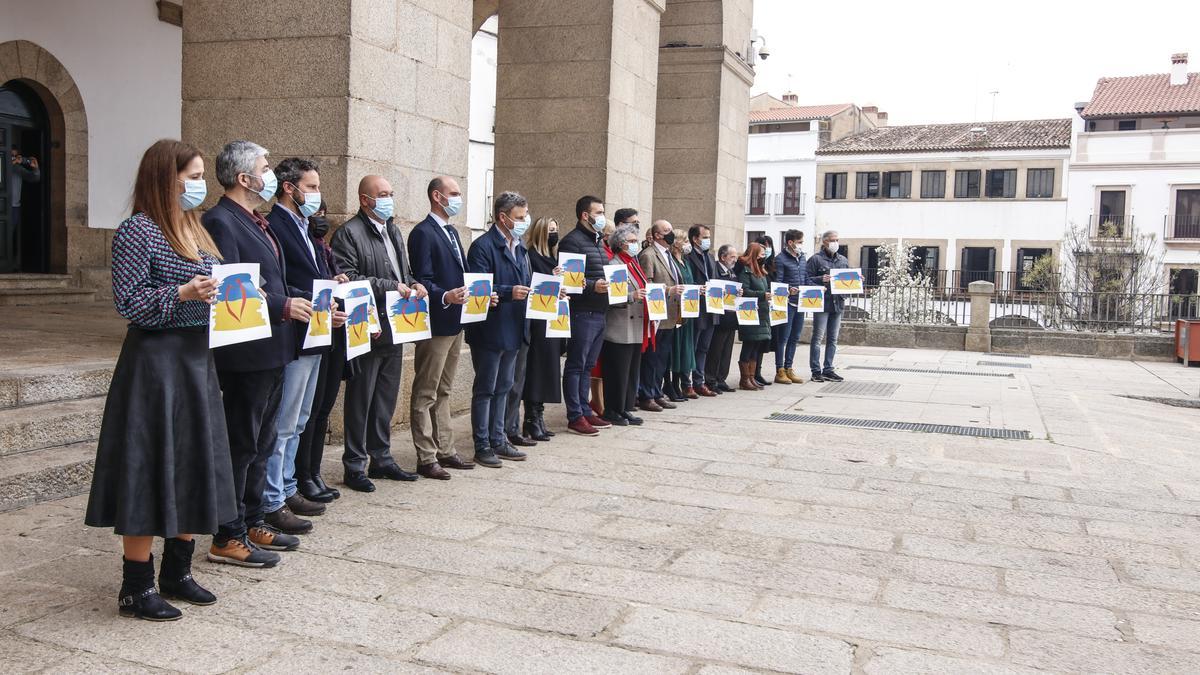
[{"x": 712, "y": 541}]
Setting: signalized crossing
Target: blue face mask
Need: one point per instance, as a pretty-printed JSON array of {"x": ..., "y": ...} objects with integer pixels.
[
  {"x": 453, "y": 206},
  {"x": 705, "y": 244},
  {"x": 519, "y": 227},
  {"x": 269, "y": 185},
  {"x": 633, "y": 248},
  {"x": 767, "y": 252},
  {"x": 312, "y": 204},
  {"x": 383, "y": 208},
  {"x": 600, "y": 223},
  {"x": 194, "y": 192}
]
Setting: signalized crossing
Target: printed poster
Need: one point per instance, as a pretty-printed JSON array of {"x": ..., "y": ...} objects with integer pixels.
[
  {"x": 778, "y": 317},
  {"x": 408, "y": 317},
  {"x": 359, "y": 289},
  {"x": 779, "y": 296},
  {"x": 714, "y": 295},
  {"x": 542, "y": 302},
  {"x": 732, "y": 288},
  {"x": 240, "y": 311},
  {"x": 560, "y": 327},
  {"x": 689, "y": 307},
  {"x": 812, "y": 299},
  {"x": 358, "y": 326},
  {"x": 846, "y": 281},
  {"x": 656, "y": 302},
  {"x": 320, "y": 326},
  {"x": 479, "y": 297},
  {"x": 573, "y": 265},
  {"x": 747, "y": 311},
  {"x": 618, "y": 284}
]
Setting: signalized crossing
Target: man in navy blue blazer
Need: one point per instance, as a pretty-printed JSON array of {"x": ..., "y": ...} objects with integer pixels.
[
  {"x": 438, "y": 260},
  {"x": 496, "y": 342},
  {"x": 251, "y": 373},
  {"x": 297, "y": 197}
]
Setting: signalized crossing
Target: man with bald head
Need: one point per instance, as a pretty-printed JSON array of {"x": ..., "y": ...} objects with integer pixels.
[
  {"x": 660, "y": 268},
  {"x": 438, "y": 262},
  {"x": 370, "y": 247}
]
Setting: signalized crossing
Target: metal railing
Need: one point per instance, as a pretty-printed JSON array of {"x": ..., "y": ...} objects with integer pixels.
[
  {"x": 908, "y": 305},
  {"x": 1110, "y": 227},
  {"x": 955, "y": 282},
  {"x": 1179, "y": 226},
  {"x": 1095, "y": 312}
]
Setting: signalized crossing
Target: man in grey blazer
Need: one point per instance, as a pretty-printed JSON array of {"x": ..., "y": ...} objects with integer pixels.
[{"x": 660, "y": 268}]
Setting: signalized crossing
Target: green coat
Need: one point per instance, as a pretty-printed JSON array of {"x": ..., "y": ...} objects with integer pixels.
[{"x": 756, "y": 287}]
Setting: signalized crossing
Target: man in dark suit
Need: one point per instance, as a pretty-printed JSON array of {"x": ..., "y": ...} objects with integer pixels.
[
  {"x": 370, "y": 247},
  {"x": 438, "y": 262},
  {"x": 496, "y": 342},
  {"x": 297, "y": 197},
  {"x": 703, "y": 268},
  {"x": 251, "y": 373},
  {"x": 720, "y": 348}
]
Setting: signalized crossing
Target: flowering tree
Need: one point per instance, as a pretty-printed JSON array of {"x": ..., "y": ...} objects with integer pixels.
[{"x": 903, "y": 296}]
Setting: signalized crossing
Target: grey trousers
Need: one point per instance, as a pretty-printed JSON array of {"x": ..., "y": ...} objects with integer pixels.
[
  {"x": 370, "y": 403},
  {"x": 512, "y": 414},
  {"x": 435, "y": 363}
]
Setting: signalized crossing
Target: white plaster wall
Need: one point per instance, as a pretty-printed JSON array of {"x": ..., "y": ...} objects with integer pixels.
[
  {"x": 128, "y": 67},
  {"x": 482, "y": 153},
  {"x": 775, "y": 157}
]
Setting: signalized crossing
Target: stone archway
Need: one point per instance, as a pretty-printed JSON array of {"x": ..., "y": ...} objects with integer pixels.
[{"x": 73, "y": 247}]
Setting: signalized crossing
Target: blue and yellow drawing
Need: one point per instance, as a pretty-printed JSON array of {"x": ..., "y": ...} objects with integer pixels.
[
  {"x": 239, "y": 304},
  {"x": 813, "y": 298},
  {"x": 850, "y": 281},
  {"x": 479, "y": 297},
  {"x": 731, "y": 296},
  {"x": 778, "y": 316},
  {"x": 322, "y": 313},
  {"x": 779, "y": 298},
  {"x": 372, "y": 318},
  {"x": 691, "y": 301},
  {"x": 748, "y": 310},
  {"x": 410, "y": 315},
  {"x": 358, "y": 326},
  {"x": 716, "y": 298},
  {"x": 618, "y": 283},
  {"x": 657, "y": 300},
  {"x": 544, "y": 296},
  {"x": 563, "y": 321},
  {"x": 573, "y": 273}
]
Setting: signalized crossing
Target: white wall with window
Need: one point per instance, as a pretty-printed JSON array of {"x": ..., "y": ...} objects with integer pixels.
[
  {"x": 481, "y": 154},
  {"x": 781, "y": 184}
]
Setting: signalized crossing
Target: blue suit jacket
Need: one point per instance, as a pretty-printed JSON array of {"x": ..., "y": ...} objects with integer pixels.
[
  {"x": 435, "y": 264},
  {"x": 241, "y": 240},
  {"x": 506, "y": 327},
  {"x": 299, "y": 267}
]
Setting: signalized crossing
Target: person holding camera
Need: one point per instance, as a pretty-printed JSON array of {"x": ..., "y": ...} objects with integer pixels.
[{"x": 24, "y": 170}]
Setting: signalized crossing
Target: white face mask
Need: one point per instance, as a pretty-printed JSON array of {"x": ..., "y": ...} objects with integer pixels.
[{"x": 833, "y": 247}]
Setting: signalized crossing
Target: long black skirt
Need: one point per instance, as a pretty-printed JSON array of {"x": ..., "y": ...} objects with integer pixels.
[
  {"x": 162, "y": 463},
  {"x": 543, "y": 369}
]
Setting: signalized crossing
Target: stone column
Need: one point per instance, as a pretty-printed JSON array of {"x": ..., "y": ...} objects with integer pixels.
[
  {"x": 361, "y": 86},
  {"x": 576, "y": 95},
  {"x": 703, "y": 110},
  {"x": 979, "y": 334}
]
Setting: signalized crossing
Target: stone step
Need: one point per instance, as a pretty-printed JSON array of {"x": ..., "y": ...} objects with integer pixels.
[
  {"x": 34, "y": 385},
  {"x": 48, "y": 425},
  {"x": 9, "y": 282},
  {"x": 42, "y": 475},
  {"x": 24, "y": 297}
]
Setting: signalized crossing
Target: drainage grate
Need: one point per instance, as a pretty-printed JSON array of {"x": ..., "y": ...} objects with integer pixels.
[
  {"x": 860, "y": 388},
  {"x": 933, "y": 371},
  {"x": 953, "y": 430},
  {"x": 1009, "y": 356},
  {"x": 1002, "y": 364}
]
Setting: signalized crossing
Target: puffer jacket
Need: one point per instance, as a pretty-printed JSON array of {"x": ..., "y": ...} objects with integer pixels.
[{"x": 583, "y": 239}]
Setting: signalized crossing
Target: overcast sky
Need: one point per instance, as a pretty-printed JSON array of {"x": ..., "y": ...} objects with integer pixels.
[{"x": 937, "y": 61}]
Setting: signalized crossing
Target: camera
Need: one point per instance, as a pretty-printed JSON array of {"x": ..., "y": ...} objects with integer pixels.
[{"x": 764, "y": 53}]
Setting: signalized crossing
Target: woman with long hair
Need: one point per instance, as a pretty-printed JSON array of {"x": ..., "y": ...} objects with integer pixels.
[
  {"x": 755, "y": 284},
  {"x": 162, "y": 461},
  {"x": 543, "y": 369},
  {"x": 683, "y": 356},
  {"x": 768, "y": 265}
]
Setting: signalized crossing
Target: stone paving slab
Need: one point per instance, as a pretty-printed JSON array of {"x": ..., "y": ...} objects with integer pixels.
[{"x": 708, "y": 541}]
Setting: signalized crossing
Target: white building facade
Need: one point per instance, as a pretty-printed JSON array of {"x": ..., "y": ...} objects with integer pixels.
[
  {"x": 980, "y": 202},
  {"x": 1135, "y": 167},
  {"x": 481, "y": 154}
]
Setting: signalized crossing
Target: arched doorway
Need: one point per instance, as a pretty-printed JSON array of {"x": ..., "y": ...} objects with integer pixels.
[{"x": 26, "y": 179}]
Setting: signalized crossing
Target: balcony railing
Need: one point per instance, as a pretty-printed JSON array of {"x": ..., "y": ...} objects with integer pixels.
[
  {"x": 1110, "y": 227},
  {"x": 1179, "y": 226},
  {"x": 955, "y": 282},
  {"x": 776, "y": 204}
]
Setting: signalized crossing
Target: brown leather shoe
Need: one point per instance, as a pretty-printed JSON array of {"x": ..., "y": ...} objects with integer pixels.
[
  {"x": 703, "y": 390},
  {"x": 691, "y": 393},
  {"x": 433, "y": 470},
  {"x": 649, "y": 405},
  {"x": 286, "y": 522},
  {"x": 666, "y": 405},
  {"x": 456, "y": 461},
  {"x": 521, "y": 441}
]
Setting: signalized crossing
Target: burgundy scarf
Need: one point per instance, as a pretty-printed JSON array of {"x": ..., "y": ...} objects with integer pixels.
[{"x": 639, "y": 277}]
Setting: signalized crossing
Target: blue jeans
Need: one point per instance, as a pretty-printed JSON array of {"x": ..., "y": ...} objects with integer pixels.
[
  {"x": 655, "y": 363},
  {"x": 494, "y": 371},
  {"x": 825, "y": 329},
  {"x": 295, "y": 406},
  {"x": 583, "y": 348},
  {"x": 786, "y": 336}
]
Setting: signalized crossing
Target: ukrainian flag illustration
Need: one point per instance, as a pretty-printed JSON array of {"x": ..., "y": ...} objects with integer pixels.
[
  {"x": 731, "y": 296},
  {"x": 748, "y": 311},
  {"x": 691, "y": 300},
  {"x": 545, "y": 297},
  {"x": 358, "y": 326},
  {"x": 657, "y": 301},
  {"x": 322, "y": 313},
  {"x": 372, "y": 318},
  {"x": 563, "y": 320},
  {"x": 618, "y": 285},
  {"x": 813, "y": 298},
  {"x": 847, "y": 280},
  {"x": 410, "y": 316},
  {"x": 573, "y": 273},
  {"x": 779, "y": 298},
  {"x": 716, "y": 298},
  {"x": 479, "y": 297},
  {"x": 239, "y": 304}
]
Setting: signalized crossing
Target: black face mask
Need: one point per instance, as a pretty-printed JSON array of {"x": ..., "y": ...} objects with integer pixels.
[
  {"x": 669, "y": 238},
  {"x": 318, "y": 226},
  {"x": 552, "y": 240}
]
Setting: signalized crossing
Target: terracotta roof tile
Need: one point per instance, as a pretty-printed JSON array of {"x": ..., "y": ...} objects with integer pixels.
[
  {"x": 797, "y": 113},
  {"x": 1143, "y": 95},
  {"x": 1021, "y": 134}
]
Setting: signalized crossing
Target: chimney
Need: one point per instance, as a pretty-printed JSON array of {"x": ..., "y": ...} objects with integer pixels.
[
  {"x": 791, "y": 99},
  {"x": 881, "y": 119},
  {"x": 1179, "y": 74}
]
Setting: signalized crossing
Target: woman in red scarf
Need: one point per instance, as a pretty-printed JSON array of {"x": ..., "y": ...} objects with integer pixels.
[{"x": 626, "y": 333}]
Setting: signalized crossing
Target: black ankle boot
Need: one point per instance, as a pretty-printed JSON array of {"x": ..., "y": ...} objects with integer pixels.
[
  {"x": 175, "y": 577},
  {"x": 530, "y": 428},
  {"x": 138, "y": 598},
  {"x": 540, "y": 410}
]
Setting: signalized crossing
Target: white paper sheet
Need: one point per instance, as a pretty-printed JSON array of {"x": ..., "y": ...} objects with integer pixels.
[
  {"x": 542, "y": 302},
  {"x": 320, "y": 325},
  {"x": 573, "y": 265},
  {"x": 479, "y": 297},
  {"x": 358, "y": 326},
  {"x": 240, "y": 312}
]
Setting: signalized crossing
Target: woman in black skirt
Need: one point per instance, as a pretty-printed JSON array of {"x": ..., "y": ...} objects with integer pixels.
[
  {"x": 162, "y": 462},
  {"x": 543, "y": 370}
]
